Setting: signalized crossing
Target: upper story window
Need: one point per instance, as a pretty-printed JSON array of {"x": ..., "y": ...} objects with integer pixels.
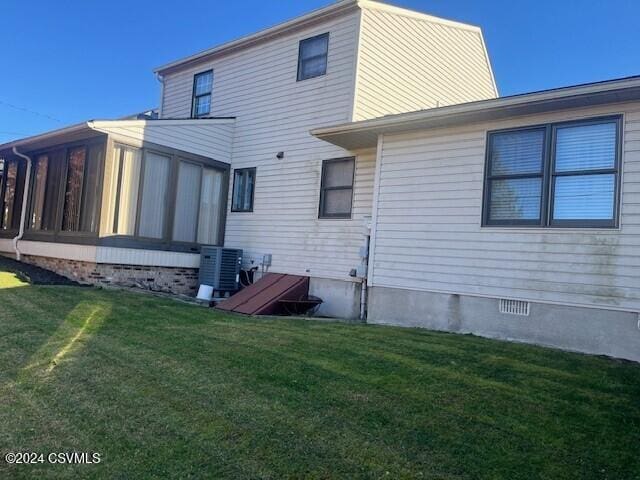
[
  {"x": 202, "y": 86},
  {"x": 244, "y": 183},
  {"x": 336, "y": 189},
  {"x": 312, "y": 57},
  {"x": 564, "y": 174}
]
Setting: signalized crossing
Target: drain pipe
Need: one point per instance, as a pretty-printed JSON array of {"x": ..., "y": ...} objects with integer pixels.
[{"x": 25, "y": 196}]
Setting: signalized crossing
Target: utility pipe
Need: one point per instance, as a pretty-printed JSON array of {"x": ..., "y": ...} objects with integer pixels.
[{"x": 25, "y": 196}]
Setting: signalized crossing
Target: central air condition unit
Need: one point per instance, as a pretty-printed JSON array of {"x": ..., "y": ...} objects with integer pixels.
[{"x": 220, "y": 268}]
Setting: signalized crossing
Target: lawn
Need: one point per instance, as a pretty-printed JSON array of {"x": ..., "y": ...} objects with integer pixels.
[{"x": 163, "y": 389}]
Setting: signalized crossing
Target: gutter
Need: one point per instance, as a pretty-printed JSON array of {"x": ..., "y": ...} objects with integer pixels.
[{"x": 25, "y": 196}]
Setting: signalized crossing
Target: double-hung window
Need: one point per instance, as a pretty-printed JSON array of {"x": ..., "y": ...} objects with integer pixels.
[
  {"x": 564, "y": 174},
  {"x": 244, "y": 184},
  {"x": 202, "y": 87},
  {"x": 336, "y": 189},
  {"x": 312, "y": 56}
]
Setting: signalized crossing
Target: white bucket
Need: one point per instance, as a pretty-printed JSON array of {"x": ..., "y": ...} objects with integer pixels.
[{"x": 205, "y": 292}]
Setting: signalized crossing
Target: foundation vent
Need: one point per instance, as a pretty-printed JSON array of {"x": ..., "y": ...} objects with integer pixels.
[{"x": 514, "y": 307}]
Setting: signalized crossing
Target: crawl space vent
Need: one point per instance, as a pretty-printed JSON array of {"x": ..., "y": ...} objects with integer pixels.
[{"x": 514, "y": 307}]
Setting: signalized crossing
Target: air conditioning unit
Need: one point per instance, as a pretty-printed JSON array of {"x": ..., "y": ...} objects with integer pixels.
[{"x": 220, "y": 268}]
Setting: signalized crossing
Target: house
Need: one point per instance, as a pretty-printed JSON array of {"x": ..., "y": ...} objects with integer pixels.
[
  {"x": 131, "y": 201},
  {"x": 358, "y": 139}
]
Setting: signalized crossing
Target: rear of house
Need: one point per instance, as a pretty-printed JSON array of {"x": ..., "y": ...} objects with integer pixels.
[{"x": 361, "y": 146}]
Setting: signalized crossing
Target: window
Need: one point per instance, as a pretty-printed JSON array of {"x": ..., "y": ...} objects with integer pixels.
[
  {"x": 244, "y": 181},
  {"x": 312, "y": 57},
  {"x": 10, "y": 218},
  {"x": 563, "y": 174},
  {"x": 90, "y": 202},
  {"x": 336, "y": 190},
  {"x": 155, "y": 187},
  {"x": 202, "y": 86},
  {"x": 125, "y": 180},
  {"x": 185, "y": 220},
  {"x": 75, "y": 178},
  {"x": 210, "y": 207},
  {"x": 40, "y": 170},
  {"x": 54, "y": 179},
  {"x": 166, "y": 196}
]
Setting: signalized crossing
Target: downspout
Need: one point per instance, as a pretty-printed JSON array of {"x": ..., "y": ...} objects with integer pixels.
[
  {"x": 160, "y": 78},
  {"x": 25, "y": 196}
]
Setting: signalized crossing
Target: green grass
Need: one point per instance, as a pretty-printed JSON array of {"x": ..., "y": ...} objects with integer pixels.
[{"x": 163, "y": 389}]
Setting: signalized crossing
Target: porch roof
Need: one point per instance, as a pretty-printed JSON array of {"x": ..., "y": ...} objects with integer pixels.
[
  {"x": 209, "y": 137},
  {"x": 364, "y": 134}
]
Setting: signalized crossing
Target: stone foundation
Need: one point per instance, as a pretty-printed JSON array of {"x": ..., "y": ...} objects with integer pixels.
[{"x": 158, "y": 279}]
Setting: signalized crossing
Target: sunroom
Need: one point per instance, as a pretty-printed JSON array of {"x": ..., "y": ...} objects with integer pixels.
[{"x": 123, "y": 192}]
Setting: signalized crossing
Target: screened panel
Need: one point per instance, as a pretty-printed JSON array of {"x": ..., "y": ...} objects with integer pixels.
[
  {"x": 337, "y": 202},
  {"x": 517, "y": 152},
  {"x": 586, "y": 147},
  {"x": 515, "y": 199},
  {"x": 154, "y": 195},
  {"x": 210, "y": 206},
  {"x": 39, "y": 188},
  {"x": 10, "y": 191},
  {"x": 584, "y": 197},
  {"x": 185, "y": 221},
  {"x": 339, "y": 173},
  {"x": 91, "y": 190}
]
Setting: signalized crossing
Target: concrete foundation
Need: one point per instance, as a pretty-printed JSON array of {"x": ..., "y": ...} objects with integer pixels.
[
  {"x": 340, "y": 299},
  {"x": 587, "y": 330}
]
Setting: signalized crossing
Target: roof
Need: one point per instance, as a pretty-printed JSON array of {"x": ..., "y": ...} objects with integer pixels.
[
  {"x": 90, "y": 128},
  {"x": 364, "y": 134},
  {"x": 336, "y": 9}
]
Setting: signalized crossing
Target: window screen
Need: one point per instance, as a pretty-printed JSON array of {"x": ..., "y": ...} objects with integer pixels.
[
  {"x": 336, "y": 190},
  {"x": 312, "y": 57}
]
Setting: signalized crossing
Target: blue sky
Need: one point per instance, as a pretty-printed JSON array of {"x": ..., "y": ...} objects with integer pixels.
[{"x": 68, "y": 61}]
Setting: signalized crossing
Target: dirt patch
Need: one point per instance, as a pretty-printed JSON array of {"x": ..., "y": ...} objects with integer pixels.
[{"x": 32, "y": 274}]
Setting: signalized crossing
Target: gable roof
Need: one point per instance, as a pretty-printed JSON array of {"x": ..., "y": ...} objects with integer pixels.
[
  {"x": 364, "y": 134},
  {"x": 339, "y": 8}
]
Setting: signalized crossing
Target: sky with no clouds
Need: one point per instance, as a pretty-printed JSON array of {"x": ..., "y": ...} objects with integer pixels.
[{"x": 72, "y": 60}]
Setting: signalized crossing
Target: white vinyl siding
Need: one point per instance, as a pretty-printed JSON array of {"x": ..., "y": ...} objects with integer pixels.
[
  {"x": 429, "y": 235},
  {"x": 408, "y": 62},
  {"x": 275, "y": 113},
  {"x": 210, "y": 138}
]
